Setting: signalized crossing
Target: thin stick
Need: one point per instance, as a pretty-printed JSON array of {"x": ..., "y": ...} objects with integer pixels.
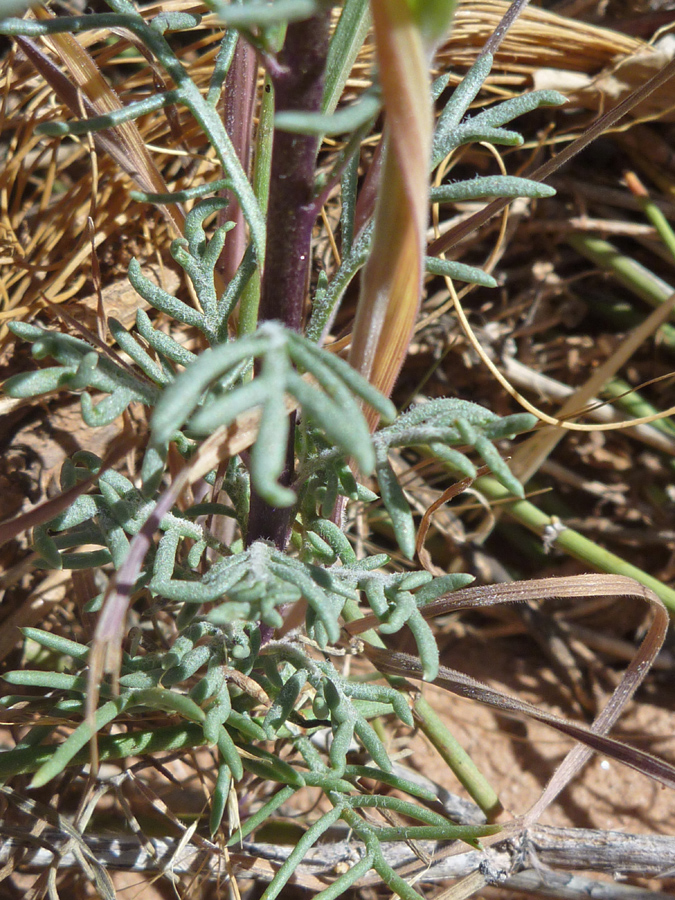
[{"x": 569, "y": 848}]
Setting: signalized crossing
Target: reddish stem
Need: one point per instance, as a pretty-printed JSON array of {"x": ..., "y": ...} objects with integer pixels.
[{"x": 292, "y": 212}]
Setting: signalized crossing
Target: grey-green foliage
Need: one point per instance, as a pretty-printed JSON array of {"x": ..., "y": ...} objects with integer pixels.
[
  {"x": 80, "y": 367},
  {"x": 210, "y": 394},
  {"x": 439, "y": 425},
  {"x": 452, "y": 130},
  {"x": 189, "y": 568},
  {"x": 218, "y": 668}
]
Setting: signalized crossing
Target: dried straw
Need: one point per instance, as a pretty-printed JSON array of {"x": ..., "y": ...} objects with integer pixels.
[{"x": 48, "y": 189}]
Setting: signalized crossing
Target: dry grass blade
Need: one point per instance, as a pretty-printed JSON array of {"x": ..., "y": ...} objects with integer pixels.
[
  {"x": 123, "y": 142},
  {"x": 86, "y": 859},
  {"x": 526, "y": 378},
  {"x": 593, "y": 737},
  {"x": 407, "y": 666},
  {"x": 449, "y": 494},
  {"x": 47, "y": 184},
  {"x": 530, "y": 455},
  {"x": 559, "y": 422},
  {"x": 590, "y": 58},
  {"x": 540, "y": 39}
]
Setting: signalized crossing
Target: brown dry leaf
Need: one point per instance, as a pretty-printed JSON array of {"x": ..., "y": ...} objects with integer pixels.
[
  {"x": 422, "y": 553},
  {"x": 539, "y": 39},
  {"x": 617, "y": 81},
  {"x": 391, "y": 284}
]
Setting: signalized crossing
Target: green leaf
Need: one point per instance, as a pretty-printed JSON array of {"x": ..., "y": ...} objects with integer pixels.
[
  {"x": 268, "y": 458},
  {"x": 433, "y": 18},
  {"x": 219, "y": 797},
  {"x": 77, "y": 740},
  {"x": 460, "y": 271},
  {"x": 491, "y": 186},
  {"x": 347, "y": 432},
  {"x": 397, "y": 506},
  {"x": 346, "y": 120},
  {"x": 57, "y": 644},
  {"x": 348, "y": 37}
]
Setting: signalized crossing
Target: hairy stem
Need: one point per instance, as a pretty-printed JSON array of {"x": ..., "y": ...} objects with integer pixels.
[{"x": 292, "y": 211}]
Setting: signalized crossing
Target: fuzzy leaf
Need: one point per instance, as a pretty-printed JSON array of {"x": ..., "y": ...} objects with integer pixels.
[{"x": 397, "y": 506}]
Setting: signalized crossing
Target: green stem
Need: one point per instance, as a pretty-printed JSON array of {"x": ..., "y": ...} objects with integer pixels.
[
  {"x": 308, "y": 839},
  {"x": 250, "y": 298},
  {"x": 464, "y": 768},
  {"x": 291, "y": 214},
  {"x": 634, "y": 404},
  {"x": 456, "y": 757},
  {"x": 638, "y": 279},
  {"x": 570, "y": 541},
  {"x": 659, "y": 221}
]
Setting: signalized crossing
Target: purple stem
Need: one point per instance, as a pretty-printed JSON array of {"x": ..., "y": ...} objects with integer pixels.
[
  {"x": 292, "y": 212},
  {"x": 292, "y": 208}
]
